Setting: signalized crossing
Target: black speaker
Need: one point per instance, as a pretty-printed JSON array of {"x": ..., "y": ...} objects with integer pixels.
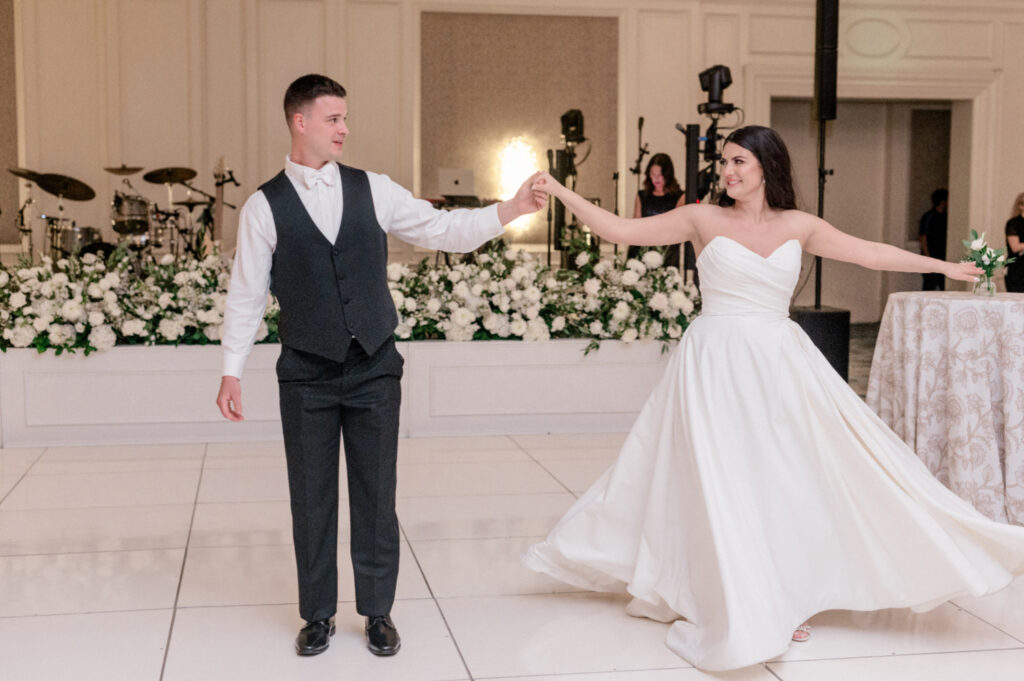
[
  {"x": 829, "y": 328},
  {"x": 826, "y": 39}
]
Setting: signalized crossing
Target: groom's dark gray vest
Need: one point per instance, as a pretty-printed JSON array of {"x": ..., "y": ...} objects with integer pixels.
[{"x": 330, "y": 293}]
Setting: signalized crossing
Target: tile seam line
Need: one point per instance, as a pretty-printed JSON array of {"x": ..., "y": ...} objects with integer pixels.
[
  {"x": 440, "y": 610},
  {"x": 181, "y": 573},
  {"x": 546, "y": 470}
]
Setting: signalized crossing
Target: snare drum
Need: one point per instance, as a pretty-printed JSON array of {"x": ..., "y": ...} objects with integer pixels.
[
  {"x": 75, "y": 239},
  {"x": 129, "y": 214}
]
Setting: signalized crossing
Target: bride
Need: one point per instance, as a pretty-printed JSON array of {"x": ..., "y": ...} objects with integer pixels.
[{"x": 756, "y": 488}]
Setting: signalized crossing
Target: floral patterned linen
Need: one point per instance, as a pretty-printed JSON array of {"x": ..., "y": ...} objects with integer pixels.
[{"x": 948, "y": 378}]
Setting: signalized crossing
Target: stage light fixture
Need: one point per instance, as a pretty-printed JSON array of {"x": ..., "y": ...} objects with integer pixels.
[
  {"x": 572, "y": 126},
  {"x": 714, "y": 81}
]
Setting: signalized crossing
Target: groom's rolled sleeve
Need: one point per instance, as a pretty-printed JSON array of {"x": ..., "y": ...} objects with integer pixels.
[{"x": 418, "y": 222}]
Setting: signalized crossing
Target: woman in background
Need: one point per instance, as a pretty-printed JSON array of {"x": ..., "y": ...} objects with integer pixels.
[
  {"x": 1015, "y": 244},
  {"x": 660, "y": 194}
]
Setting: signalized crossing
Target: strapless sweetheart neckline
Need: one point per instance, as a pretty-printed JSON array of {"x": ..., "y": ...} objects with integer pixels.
[{"x": 750, "y": 250}]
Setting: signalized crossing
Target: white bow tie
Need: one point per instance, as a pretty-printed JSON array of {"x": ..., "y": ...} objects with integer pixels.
[{"x": 313, "y": 177}]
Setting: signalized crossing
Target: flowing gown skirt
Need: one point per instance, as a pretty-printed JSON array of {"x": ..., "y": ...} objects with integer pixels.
[{"x": 757, "y": 489}]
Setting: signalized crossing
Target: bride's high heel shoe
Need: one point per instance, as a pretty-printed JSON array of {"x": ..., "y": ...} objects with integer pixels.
[{"x": 802, "y": 633}]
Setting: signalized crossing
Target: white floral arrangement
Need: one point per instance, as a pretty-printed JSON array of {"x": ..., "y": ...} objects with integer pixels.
[
  {"x": 89, "y": 304},
  {"x": 92, "y": 304},
  {"x": 989, "y": 259},
  {"x": 507, "y": 294}
]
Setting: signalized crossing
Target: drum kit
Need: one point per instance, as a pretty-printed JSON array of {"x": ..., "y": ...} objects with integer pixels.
[{"x": 140, "y": 224}]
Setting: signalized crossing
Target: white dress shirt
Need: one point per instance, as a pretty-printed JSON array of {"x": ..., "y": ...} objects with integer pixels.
[{"x": 398, "y": 213}]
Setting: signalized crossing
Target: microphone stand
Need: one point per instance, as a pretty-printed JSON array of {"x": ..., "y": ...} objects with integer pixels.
[
  {"x": 551, "y": 201},
  {"x": 641, "y": 152},
  {"x": 615, "y": 179},
  {"x": 823, "y": 172}
]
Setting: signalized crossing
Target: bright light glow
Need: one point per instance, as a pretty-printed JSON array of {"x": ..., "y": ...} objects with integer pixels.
[{"x": 518, "y": 162}]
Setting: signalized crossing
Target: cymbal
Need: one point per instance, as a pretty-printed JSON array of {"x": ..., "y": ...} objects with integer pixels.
[
  {"x": 192, "y": 203},
  {"x": 169, "y": 175},
  {"x": 24, "y": 173},
  {"x": 123, "y": 170},
  {"x": 68, "y": 187}
]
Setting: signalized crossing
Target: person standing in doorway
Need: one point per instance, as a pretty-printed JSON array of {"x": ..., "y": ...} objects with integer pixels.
[{"x": 932, "y": 233}]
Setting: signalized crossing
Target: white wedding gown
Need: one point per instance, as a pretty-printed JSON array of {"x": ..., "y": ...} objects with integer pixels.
[{"x": 757, "y": 489}]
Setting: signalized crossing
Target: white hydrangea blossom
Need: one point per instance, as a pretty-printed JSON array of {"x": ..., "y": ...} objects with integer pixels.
[
  {"x": 653, "y": 259},
  {"x": 630, "y": 278},
  {"x": 102, "y": 337}
]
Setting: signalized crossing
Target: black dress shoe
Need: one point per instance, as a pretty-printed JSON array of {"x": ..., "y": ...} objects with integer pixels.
[
  {"x": 381, "y": 636},
  {"x": 314, "y": 638}
]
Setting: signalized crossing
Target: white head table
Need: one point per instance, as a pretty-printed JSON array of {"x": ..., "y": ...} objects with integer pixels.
[{"x": 948, "y": 378}]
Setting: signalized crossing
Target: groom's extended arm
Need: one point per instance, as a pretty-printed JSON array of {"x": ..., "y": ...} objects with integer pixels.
[{"x": 456, "y": 231}]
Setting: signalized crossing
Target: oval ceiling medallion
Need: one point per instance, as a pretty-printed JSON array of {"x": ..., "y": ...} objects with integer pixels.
[{"x": 873, "y": 37}]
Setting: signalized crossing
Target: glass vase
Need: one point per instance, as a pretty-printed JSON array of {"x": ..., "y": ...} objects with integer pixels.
[{"x": 984, "y": 286}]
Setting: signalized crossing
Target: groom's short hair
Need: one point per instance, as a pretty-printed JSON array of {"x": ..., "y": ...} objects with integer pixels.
[{"x": 306, "y": 89}]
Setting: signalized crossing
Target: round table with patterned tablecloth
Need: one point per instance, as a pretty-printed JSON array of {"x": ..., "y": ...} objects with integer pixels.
[{"x": 948, "y": 378}]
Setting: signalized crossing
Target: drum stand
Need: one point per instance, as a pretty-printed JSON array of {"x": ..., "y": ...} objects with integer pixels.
[
  {"x": 25, "y": 223},
  {"x": 172, "y": 222},
  {"x": 54, "y": 226}
]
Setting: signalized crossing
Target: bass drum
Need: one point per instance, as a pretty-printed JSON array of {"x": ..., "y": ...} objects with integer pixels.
[
  {"x": 101, "y": 249},
  {"x": 74, "y": 239}
]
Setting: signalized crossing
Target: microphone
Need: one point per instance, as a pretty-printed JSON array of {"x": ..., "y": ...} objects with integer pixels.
[
  {"x": 641, "y": 126},
  {"x": 681, "y": 128},
  {"x": 551, "y": 161}
]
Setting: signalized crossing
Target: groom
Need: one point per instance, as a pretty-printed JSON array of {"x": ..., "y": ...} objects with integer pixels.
[{"x": 316, "y": 235}]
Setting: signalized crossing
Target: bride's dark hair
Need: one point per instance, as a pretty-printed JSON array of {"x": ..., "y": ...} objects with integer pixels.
[{"x": 770, "y": 151}]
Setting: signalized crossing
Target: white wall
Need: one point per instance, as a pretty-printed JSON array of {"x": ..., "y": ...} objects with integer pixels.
[{"x": 182, "y": 82}]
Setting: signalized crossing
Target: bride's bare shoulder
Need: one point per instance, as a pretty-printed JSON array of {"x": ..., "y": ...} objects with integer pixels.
[{"x": 794, "y": 217}]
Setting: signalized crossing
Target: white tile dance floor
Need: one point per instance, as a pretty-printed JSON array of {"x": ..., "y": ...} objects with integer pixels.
[{"x": 173, "y": 562}]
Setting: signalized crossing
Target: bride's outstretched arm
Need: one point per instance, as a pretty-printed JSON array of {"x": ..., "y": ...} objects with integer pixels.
[
  {"x": 672, "y": 227},
  {"x": 825, "y": 240}
]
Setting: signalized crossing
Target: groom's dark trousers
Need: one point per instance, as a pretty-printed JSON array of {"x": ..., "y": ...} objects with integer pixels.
[
  {"x": 339, "y": 376},
  {"x": 322, "y": 402}
]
